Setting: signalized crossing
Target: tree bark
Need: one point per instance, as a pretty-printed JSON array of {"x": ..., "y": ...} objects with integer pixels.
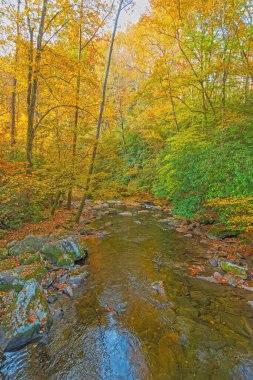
[
  {"x": 94, "y": 152},
  {"x": 33, "y": 82},
  {"x": 14, "y": 85},
  {"x": 78, "y": 86}
]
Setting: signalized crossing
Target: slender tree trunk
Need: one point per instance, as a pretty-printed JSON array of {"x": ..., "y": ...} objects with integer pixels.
[
  {"x": 14, "y": 85},
  {"x": 122, "y": 122},
  {"x": 94, "y": 153},
  {"x": 55, "y": 203},
  {"x": 78, "y": 86},
  {"x": 33, "y": 82}
]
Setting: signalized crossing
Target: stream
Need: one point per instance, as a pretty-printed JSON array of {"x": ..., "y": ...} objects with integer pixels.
[{"x": 141, "y": 315}]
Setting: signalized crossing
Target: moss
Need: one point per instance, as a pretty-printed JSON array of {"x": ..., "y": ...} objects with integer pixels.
[
  {"x": 3, "y": 253},
  {"x": 235, "y": 269},
  {"x": 8, "y": 287},
  {"x": 34, "y": 271},
  {"x": 26, "y": 259},
  {"x": 52, "y": 252},
  {"x": 221, "y": 232},
  {"x": 2, "y": 234},
  {"x": 65, "y": 261},
  {"x": 206, "y": 218}
]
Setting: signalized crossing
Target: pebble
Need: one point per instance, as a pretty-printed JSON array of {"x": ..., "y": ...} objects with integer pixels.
[{"x": 214, "y": 263}]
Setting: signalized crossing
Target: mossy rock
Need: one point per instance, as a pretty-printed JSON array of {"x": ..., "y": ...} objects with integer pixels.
[
  {"x": 26, "y": 259},
  {"x": 26, "y": 319},
  {"x": 12, "y": 277},
  {"x": 222, "y": 232},
  {"x": 30, "y": 244},
  {"x": 36, "y": 271},
  {"x": 208, "y": 217},
  {"x": 16, "y": 277},
  {"x": 3, "y": 253},
  {"x": 64, "y": 252},
  {"x": 65, "y": 261},
  {"x": 233, "y": 268}
]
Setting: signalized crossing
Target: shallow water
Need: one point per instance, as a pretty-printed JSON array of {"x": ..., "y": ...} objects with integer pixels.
[{"x": 123, "y": 326}]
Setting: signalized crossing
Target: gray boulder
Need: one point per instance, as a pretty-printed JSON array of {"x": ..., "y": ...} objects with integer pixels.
[
  {"x": 30, "y": 244},
  {"x": 78, "y": 279},
  {"x": 27, "y": 318},
  {"x": 12, "y": 278},
  {"x": 64, "y": 252}
]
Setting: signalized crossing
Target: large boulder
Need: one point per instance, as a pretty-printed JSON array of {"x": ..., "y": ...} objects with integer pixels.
[
  {"x": 64, "y": 252},
  {"x": 26, "y": 318},
  {"x": 30, "y": 244}
]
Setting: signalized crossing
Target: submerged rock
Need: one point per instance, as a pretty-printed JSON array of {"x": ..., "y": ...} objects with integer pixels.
[
  {"x": 237, "y": 270},
  {"x": 170, "y": 221},
  {"x": 27, "y": 318},
  {"x": 126, "y": 213},
  {"x": 214, "y": 263},
  {"x": 143, "y": 212},
  {"x": 158, "y": 285},
  {"x": 208, "y": 278},
  {"x": 78, "y": 279}
]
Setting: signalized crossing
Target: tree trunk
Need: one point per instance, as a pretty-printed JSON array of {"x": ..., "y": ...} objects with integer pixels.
[
  {"x": 14, "y": 85},
  {"x": 33, "y": 82},
  {"x": 94, "y": 153},
  {"x": 78, "y": 86}
]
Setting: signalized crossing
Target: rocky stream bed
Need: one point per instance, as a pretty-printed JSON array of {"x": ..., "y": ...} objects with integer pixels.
[{"x": 147, "y": 297}]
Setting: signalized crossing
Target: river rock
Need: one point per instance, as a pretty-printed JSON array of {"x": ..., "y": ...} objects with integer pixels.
[
  {"x": 30, "y": 244},
  {"x": 52, "y": 298},
  {"x": 64, "y": 252},
  {"x": 78, "y": 279},
  {"x": 26, "y": 319},
  {"x": 170, "y": 221},
  {"x": 233, "y": 268},
  {"x": 48, "y": 279},
  {"x": 12, "y": 278},
  {"x": 214, "y": 263},
  {"x": 126, "y": 213},
  {"x": 143, "y": 212},
  {"x": 112, "y": 211},
  {"x": 208, "y": 278},
  {"x": 101, "y": 206},
  {"x": 68, "y": 291},
  {"x": 90, "y": 232}
]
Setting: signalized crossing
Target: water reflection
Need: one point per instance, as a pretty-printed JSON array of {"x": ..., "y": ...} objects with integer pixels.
[{"x": 122, "y": 326}]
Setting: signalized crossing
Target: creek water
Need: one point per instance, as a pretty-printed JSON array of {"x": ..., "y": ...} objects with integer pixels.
[{"x": 140, "y": 315}]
